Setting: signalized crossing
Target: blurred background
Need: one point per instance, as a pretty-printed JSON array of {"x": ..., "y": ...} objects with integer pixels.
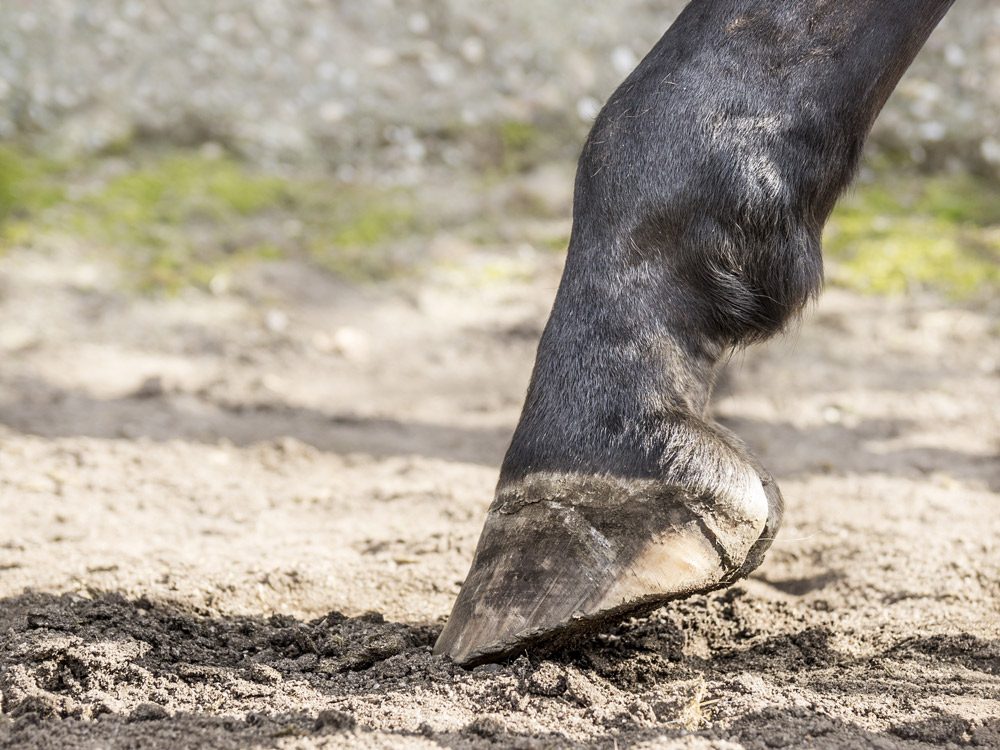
[{"x": 183, "y": 139}]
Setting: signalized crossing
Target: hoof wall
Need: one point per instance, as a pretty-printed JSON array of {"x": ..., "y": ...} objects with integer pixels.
[{"x": 549, "y": 571}]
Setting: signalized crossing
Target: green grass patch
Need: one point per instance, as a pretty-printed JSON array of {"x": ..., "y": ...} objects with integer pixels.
[
  {"x": 180, "y": 188},
  {"x": 513, "y": 146},
  {"x": 520, "y": 144},
  {"x": 11, "y": 176},
  {"x": 28, "y": 183},
  {"x": 356, "y": 232},
  {"x": 177, "y": 219},
  {"x": 903, "y": 233}
]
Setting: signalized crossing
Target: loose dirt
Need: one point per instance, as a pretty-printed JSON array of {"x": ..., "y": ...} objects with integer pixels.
[{"x": 239, "y": 520}]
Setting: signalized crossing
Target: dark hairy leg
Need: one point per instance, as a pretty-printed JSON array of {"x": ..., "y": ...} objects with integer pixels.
[{"x": 700, "y": 197}]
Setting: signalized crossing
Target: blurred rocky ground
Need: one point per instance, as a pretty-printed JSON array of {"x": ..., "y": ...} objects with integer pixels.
[{"x": 399, "y": 83}]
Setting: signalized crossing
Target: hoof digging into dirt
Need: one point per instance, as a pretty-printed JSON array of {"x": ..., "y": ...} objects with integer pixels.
[
  {"x": 75, "y": 671},
  {"x": 561, "y": 558}
]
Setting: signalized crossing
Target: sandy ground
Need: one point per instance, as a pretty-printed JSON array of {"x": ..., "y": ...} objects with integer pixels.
[{"x": 240, "y": 520}]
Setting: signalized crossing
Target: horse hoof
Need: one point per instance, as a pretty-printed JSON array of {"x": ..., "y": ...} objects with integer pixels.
[{"x": 559, "y": 559}]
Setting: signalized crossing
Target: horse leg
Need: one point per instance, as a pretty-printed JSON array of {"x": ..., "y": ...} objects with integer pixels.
[{"x": 699, "y": 201}]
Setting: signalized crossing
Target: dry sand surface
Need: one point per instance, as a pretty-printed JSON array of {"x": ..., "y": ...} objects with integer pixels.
[{"x": 239, "y": 521}]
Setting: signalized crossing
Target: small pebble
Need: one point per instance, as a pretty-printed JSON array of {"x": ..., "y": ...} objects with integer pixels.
[
  {"x": 335, "y": 720},
  {"x": 149, "y": 712},
  {"x": 264, "y": 674}
]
